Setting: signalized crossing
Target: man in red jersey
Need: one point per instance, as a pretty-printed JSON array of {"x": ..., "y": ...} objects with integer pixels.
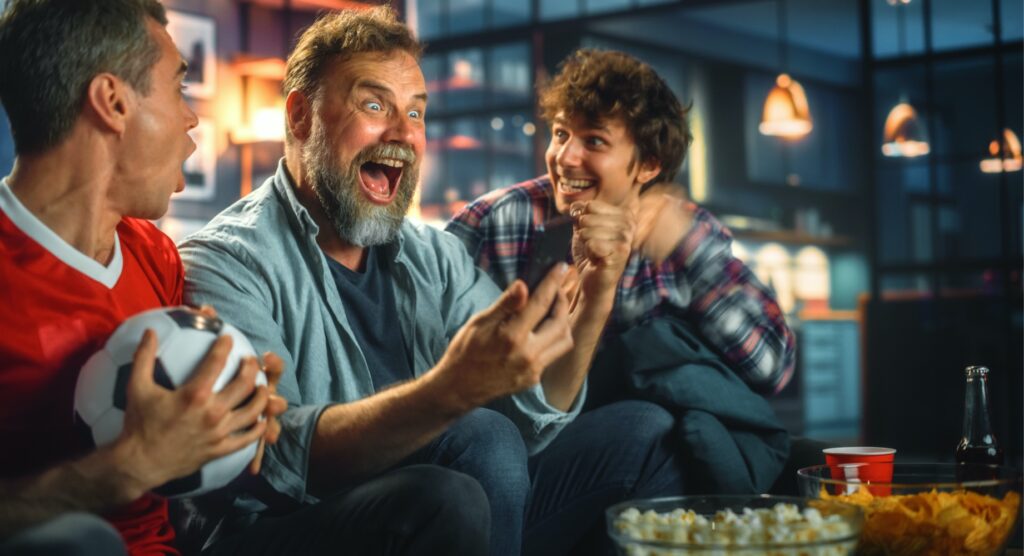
[{"x": 93, "y": 92}]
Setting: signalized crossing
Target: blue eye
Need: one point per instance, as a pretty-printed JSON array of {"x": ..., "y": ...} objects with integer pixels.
[
  {"x": 375, "y": 106},
  {"x": 415, "y": 114}
]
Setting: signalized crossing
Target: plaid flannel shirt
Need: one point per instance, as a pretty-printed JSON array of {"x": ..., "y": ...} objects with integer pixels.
[{"x": 701, "y": 280}]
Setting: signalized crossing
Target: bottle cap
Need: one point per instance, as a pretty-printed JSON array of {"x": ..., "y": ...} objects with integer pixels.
[{"x": 975, "y": 371}]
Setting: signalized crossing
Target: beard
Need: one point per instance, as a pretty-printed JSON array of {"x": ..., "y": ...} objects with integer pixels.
[{"x": 356, "y": 220}]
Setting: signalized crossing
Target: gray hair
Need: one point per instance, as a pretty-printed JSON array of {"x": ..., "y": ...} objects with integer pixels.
[{"x": 52, "y": 49}]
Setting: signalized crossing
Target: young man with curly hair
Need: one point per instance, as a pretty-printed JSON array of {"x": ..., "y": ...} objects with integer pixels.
[{"x": 618, "y": 137}]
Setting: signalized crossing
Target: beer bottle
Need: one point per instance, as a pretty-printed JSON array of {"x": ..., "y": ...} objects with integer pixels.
[{"x": 978, "y": 444}]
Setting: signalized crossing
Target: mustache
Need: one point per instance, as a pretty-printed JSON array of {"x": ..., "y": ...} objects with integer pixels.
[{"x": 396, "y": 151}]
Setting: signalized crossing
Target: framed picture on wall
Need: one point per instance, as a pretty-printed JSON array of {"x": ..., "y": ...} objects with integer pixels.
[
  {"x": 195, "y": 37},
  {"x": 201, "y": 168}
]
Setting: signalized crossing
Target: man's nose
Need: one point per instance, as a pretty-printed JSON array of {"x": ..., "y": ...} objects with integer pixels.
[
  {"x": 401, "y": 130},
  {"x": 569, "y": 155}
]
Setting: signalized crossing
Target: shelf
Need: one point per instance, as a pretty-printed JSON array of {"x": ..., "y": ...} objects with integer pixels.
[
  {"x": 793, "y": 237},
  {"x": 313, "y": 5},
  {"x": 272, "y": 68}
]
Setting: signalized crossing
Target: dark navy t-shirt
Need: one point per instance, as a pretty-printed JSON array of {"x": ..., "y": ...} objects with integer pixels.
[{"x": 369, "y": 301}]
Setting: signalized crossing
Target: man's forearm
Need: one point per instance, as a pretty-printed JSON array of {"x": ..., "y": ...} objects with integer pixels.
[
  {"x": 564, "y": 378},
  {"x": 355, "y": 440},
  {"x": 97, "y": 482}
]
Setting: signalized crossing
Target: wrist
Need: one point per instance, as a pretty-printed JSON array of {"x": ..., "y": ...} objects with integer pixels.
[
  {"x": 443, "y": 394},
  {"x": 131, "y": 475}
]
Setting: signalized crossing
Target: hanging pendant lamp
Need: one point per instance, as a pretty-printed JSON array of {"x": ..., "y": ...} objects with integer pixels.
[
  {"x": 786, "y": 112},
  {"x": 1009, "y": 160},
  {"x": 903, "y": 136}
]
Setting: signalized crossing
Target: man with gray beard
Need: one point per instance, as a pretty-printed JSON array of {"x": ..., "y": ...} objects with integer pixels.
[{"x": 400, "y": 352}]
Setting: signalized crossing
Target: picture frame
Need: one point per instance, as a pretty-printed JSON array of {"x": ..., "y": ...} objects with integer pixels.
[
  {"x": 200, "y": 169},
  {"x": 195, "y": 37}
]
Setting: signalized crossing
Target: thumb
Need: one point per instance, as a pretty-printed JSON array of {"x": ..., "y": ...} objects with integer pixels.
[
  {"x": 141, "y": 377},
  {"x": 510, "y": 302}
]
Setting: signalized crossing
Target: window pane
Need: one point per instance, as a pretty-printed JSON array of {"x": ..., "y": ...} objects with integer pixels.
[
  {"x": 957, "y": 24},
  {"x": 598, "y": 6},
  {"x": 510, "y": 81},
  {"x": 1011, "y": 18},
  {"x": 895, "y": 34},
  {"x": 433, "y": 66},
  {"x": 904, "y": 213},
  {"x": 432, "y": 176},
  {"x": 512, "y": 136},
  {"x": 558, "y": 9},
  {"x": 970, "y": 217},
  {"x": 964, "y": 102},
  {"x": 428, "y": 17},
  {"x": 466, "y": 159},
  {"x": 903, "y": 286},
  {"x": 465, "y": 84},
  {"x": 465, "y": 16},
  {"x": 509, "y": 12}
]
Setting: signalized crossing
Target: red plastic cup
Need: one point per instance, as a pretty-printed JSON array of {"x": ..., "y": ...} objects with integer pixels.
[{"x": 861, "y": 464}]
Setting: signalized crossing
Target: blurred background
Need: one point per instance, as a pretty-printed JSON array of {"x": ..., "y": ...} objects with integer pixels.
[{"x": 865, "y": 154}]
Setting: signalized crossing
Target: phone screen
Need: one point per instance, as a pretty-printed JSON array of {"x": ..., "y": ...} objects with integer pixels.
[{"x": 550, "y": 247}]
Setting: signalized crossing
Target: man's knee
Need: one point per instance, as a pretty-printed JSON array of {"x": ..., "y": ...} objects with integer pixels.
[
  {"x": 75, "y": 534},
  {"x": 442, "y": 509},
  {"x": 489, "y": 447},
  {"x": 637, "y": 421}
]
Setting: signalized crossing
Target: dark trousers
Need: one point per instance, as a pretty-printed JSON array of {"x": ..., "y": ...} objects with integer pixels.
[
  {"x": 74, "y": 534},
  {"x": 419, "y": 509},
  {"x": 554, "y": 502}
]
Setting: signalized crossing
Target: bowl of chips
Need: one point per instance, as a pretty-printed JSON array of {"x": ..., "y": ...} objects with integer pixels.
[
  {"x": 927, "y": 509},
  {"x": 741, "y": 525}
]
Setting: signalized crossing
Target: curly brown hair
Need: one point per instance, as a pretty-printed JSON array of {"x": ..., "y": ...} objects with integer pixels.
[
  {"x": 339, "y": 36},
  {"x": 596, "y": 85}
]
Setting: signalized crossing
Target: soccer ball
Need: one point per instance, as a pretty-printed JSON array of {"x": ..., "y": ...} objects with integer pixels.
[{"x": 184, "y": 336}]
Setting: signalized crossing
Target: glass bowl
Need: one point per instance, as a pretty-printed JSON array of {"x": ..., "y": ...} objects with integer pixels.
[
  {"x": 640, "y": 533},
  {"x": 927, "y": 508}
]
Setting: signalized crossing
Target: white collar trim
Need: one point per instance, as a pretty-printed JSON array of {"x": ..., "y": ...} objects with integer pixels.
[{"x": 44, "y": 236}]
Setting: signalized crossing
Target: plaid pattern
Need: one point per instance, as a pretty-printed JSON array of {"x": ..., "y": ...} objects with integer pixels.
[{"x": 701, "y": 280}]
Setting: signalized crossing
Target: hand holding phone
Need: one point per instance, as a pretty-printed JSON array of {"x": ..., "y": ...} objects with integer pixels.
[{"x": 550, "y": 247}]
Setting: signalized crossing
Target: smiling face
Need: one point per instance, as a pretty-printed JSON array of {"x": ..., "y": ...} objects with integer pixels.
[
  {"x": 365, "y": 143},
  {"x": 587, "y": 162},
  {"x": 156, "y": 141}
]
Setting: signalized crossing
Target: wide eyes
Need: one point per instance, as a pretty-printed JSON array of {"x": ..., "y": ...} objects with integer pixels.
[
  {"x": 374, "y": 105},
  {"x": 415, "y": 114}
]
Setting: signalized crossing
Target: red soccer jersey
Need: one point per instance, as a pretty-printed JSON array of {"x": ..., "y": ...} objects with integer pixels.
[{"x": 57, "y": 307}]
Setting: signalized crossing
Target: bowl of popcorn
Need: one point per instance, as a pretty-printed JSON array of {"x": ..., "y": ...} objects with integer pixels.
[
  {"x": 734, "y": 524},
  {"x": 927, "y": 509}
]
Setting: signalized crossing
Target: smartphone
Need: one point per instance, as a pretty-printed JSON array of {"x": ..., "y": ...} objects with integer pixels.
[{"x": 550, "y": 247}]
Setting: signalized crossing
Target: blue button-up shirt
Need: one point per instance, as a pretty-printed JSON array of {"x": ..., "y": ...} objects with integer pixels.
[{"x": 259, "y": 265}]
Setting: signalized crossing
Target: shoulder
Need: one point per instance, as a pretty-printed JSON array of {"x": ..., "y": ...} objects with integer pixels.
[
  {"x": 256, "y": 224},
  {"x": 518, "y": 206}
]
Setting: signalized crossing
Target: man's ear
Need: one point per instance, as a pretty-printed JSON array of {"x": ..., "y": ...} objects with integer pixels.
[
  {"x": 299, "y": 114},
  {"x": 648, "y": 171},
  {"x": 109, "y": 100}
]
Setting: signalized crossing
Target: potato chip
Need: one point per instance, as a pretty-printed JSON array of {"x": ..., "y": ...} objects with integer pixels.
[{"x": 932, "y": 523}]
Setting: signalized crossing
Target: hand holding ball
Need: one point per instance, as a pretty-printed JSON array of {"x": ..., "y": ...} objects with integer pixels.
[{"x": 184, "y": 336}]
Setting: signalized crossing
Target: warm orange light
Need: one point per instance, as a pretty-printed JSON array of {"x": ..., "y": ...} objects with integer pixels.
[
  {"x": 463, "y": 142},
  {"x": 904, "y": 137},
  {"x": 267, "y": 124},
  {"x": 786, "y": 112},
  {"x": 1011, "y": 160}
]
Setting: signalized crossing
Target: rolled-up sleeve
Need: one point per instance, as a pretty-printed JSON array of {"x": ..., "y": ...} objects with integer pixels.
[{"x": 225, "y": 279}]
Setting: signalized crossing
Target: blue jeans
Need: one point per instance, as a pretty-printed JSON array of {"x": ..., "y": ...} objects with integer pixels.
[{"x": 554, "y": 502}]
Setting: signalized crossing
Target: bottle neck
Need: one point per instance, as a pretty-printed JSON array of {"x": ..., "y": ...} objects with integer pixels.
[{"x": 977, "y": 429}]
